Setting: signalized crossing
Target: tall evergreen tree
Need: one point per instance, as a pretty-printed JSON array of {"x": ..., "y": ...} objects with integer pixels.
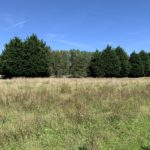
[
  {"x": 37, "y": 57},
  {"x": 136, "y": 69},
  {"x": 110, "y": 62},
  {"x": 95, "y": 66},
  {"x": 28, "y": 59},
  {"x": 12, "y": 58},
  {"x": 51, "y": 63},
  {"x": 145, "y": 58},
  {"x": 0, "y": 66},
  {"x": 124, "y": 62}
]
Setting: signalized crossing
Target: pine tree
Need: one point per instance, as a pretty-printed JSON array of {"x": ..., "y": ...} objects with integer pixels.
[
  {"x": 124, "y": 62},
  {"x": 27, "y": 59},
  {"x": 146, "y": 62},
  {"x": 0, "y": 65},
  {"x": 37, "y": 57},
  {"x": 12, "y": 58},
  {"x": 95, "y": 66},
  {"x": 136, "y": 69},
  {"x": 110, "y": 62}
]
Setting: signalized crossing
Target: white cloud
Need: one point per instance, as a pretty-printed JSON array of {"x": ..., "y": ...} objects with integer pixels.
[
  {"x": 19, "y": 24},
  {"x": 9, "y": 22},
  {"x": 54, "y": 36},
  {"x": 73, "y": 43},
  {"x": 61, "y": 38},
  {"x": 51, "y": 35}
]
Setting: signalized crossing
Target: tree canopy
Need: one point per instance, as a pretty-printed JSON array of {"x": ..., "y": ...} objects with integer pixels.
[
  {"x": 145, "y": 62},
  {"x": 110, "y": 62},
  {"x": 124, "y": 62},
  {"x": 29, "y": 58},
  {"x": 95, "y": 66},
  {"x": 137, "y": 68},
  {"x": 33, "y": 58}
]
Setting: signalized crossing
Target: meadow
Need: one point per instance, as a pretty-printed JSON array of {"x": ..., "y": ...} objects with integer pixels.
[{"x": 75, "y": 114}]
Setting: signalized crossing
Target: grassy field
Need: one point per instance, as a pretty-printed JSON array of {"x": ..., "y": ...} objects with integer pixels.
[{"x": 75, "y": 114}]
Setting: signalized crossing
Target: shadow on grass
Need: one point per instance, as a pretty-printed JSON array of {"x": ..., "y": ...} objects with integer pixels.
[
  {"x": 145, "y": 147},
  {"x": 83, "y": 148}
]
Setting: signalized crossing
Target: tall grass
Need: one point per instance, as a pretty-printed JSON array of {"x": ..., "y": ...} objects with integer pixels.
[{"x": 75, "y": 114}]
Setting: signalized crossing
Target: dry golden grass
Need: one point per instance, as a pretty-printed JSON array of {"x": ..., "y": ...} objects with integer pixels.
[{"x": 74, "y": 114}]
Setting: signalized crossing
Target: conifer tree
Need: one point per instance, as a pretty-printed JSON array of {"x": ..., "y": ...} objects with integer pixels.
[
  {"x": 27, "y": 59},
  {"x": 124, "y": 62},
  {"x": 145, "y": 58},
  {"x": 0, "y": 66},
  {"x": 110, "y": 62},
  {"x": 12, "y": 58},
  {"x": 136, "y": 69},
  {"x": 37, "y": 57},
  {"x": 95, "y": 66}
]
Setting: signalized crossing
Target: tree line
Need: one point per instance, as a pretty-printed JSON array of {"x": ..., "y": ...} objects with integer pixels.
[{"x": 33, "y": 58}]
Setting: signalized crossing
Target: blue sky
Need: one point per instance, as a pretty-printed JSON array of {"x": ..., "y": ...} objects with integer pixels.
[{"x": 79, "y": 24}]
